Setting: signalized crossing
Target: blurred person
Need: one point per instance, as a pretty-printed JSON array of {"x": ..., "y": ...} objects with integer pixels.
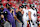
[
  {"x": 36, "y": 2},
  {"x": 2, "y": 15},
  {"x": 30, "y": 1},
  {"x": 19, "y": 16},
  {"x": 13, "y": 12},
  {"x": 32, "y": 16},
  {"x": 4, "y": 3},
  {"x": 1, "y": 19},
  {"x": 25, "y": 16},
  {"x": 7, "y": 17}
]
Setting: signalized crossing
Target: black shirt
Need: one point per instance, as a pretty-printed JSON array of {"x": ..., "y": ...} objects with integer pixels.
[{"x": 19, "y": 15}]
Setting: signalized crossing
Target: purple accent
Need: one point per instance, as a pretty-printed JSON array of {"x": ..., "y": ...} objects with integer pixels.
[
  {"x": 10, "y": 17},
  {"x": 35, "y": 15}
]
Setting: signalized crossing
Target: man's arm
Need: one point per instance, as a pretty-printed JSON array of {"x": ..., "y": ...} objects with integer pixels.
[
  {"x": 29, "y": 14},
  {"x": 2, "y": 19},
  {"x": 5, "y": 15},
  {"x": 15, "y": 17}
]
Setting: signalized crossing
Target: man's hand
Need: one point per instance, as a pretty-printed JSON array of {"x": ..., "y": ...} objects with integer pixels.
[
  {"x": 29, "y": 14},
  {"x": 19, "y": 21},
  {"x": 2, "y": 16}
]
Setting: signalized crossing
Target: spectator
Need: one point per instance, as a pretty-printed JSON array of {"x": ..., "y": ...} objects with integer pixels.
[{"x": 19, "y": 16}]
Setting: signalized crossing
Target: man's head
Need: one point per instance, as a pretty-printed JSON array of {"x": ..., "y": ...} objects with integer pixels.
[
  {"x": 8, "y": 6},
  {"x": 20, "y": 8},
  {"x": 1, "y": 6},
  {"x": 24, "y": 5},
  {"x": 32, "y": 6}
]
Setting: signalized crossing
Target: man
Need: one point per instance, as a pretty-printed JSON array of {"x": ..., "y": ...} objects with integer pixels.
[
  {"x": 2, "y": 16},
  {"x": 6, "y": 23},
  {"x": 25, "y": 16},
  {"x": 19, "y": 16},
  {"x": 32, "y": 16},
  {"x": 2, "y": 21},
  {"x": 7, "y": 16}
]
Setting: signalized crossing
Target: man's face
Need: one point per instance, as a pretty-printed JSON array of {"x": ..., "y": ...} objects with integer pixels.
[
  {"x": 33, "y": 7},
  {"x": 8, "y": 6},
  {"x": 21, "y": 9}
]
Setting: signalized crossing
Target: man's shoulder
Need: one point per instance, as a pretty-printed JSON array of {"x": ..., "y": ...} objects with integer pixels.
[
  {"x": 30, "y": 9},
  {"x": 23, "y": 9},
  {"x": 18, "y": 12},
  {"x": 5, "y": 9}
]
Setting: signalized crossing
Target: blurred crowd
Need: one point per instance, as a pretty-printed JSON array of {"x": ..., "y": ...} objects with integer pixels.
[
  {"x": 17, "y": 3},
  {"x": 11, "y": 10}
]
